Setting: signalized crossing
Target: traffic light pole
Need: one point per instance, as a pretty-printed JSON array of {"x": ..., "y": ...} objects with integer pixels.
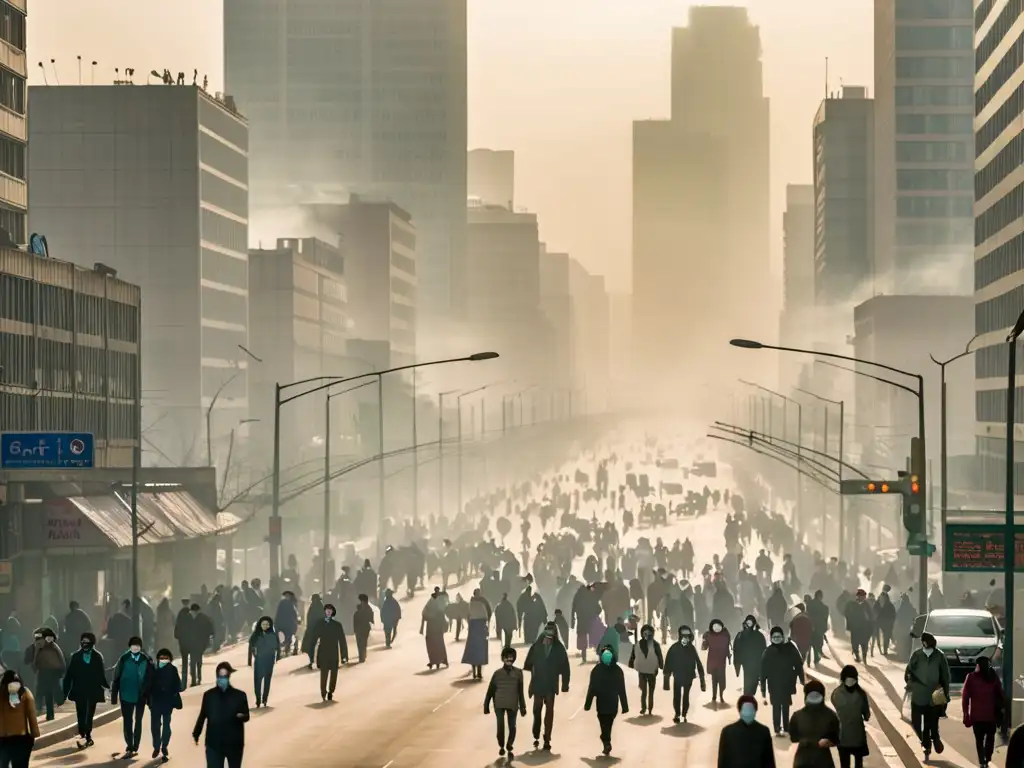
[
  {"x": 922, "y": 598},
  {"x": 1009, "y": 525}
]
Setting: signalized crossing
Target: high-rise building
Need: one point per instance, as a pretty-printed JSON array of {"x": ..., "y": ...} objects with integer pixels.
[
  {"x": 924, "y": 142},
  {"x": 557, "y": 305},
  {"x": 592, "y": 352},
  {"x": 491, "y": 176},
  {"x": 13, "y": 125},
  {"x": 362, "y": 97},
  {"x": 152, "y": 181},
  {"x": 796, "y": 319},
  {"x": 998, "y": 231},
  {"x": 843, "y": 197}
]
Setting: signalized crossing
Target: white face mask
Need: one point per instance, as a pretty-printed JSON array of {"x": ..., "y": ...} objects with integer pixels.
[
  {"x": 777, "y": 639},
  {"x": 815, "y": 698},
  {"x": 716, "y": 628},
  {"x": 850, "y": 682},
  {"x": 13, "y": 687},
  {"x": 750, "y": 625},
  {"x": 684, "y": 641},
  {"x": 928, "y": 651},
  {"x": 135, "y": 649}
]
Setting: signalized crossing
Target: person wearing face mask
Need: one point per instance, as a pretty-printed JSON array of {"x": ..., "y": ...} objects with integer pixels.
[
  {"x": 747, "y": 650},
  {"x": 746, "y": 743},
  {"x": 328, "y": 645},
  {"x": 718, "y": 644},
  {"x": 647, "y": 660},
  {"x": 133, "y": 676},
  {"x": 682, "y": 664},
  {"x": 85, "y": 683},
  {"x": 781, "y": 668},
  {"x": 814, "y": 729},
  {"x": 164, "y": 698},
  {"x": 506, "y": 691},
  {"x": 608, "y": 687},
  {"x": 853, "y": 710},
  {"x": 547, "y": 662},
  {"x": 224, "y": 712},
  {"x": 47, "y": 661},
  {"x": 982, "y": 698},
  {"x": 19, "y": 727},
  {"x": 265, "y": 650},
  {"x": 927, "y": 678}
]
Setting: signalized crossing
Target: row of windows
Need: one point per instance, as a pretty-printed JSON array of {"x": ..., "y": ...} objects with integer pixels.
[
  {"x": 404, "y": 312},
  {"x": 12, "y": 25},
  {"x": 14, "y": 223},
  {"x": 225, "y": 232},
  {"x": 223, "y": 124},
  {"x": 933, "y": 152},
  {"x": 18, "y": 297},
  {"x": 934, "y": 67},
  {"x": 1005, "y": 210},
  {"x": 58, "y": 367},
  {"x": 999, "y": 167},
  {"x": 12, "y": 157},
  {"x": 982, "y": 11},
  {"x": 933, "y": 9},
  {"x": 934, "y": 179},
  {"x": 990, "y": 405},
  {"x": 223, "y": 194},
  {"x": 934, "y": 207},
  {"x": 404, "y": 263},
  {"x": 993, "y": 361},
  {"x": 999, "y": 312},
  {"x": 939, "y": 232},
  {"x": 1002, "y": 261},
  {"x": 224, "y": 307},
  {"x": 12, "y": 91},
  {"x": 403, "y": 288},
  {"x": 216, "y": 154},
  {"x": 222, "y": 344},
  {"x": 403, "y": 237},
  {"x": 939, "y": 125},
  {"x": 934, "y": 95},
  {"x": 1002, "y": 72},
  {"x": 226, "y": 270},
  {"x": 1008, "y": 111},
  {"x": 116, "y": 421},
  {"x": 997, "y": 32},
  {"x": 934, "y": 38}
]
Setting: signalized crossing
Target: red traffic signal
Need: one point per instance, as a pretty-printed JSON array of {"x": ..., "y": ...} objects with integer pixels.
[
  {"x": 871, "y": 487},
  {"x": 915, "y": 486}
]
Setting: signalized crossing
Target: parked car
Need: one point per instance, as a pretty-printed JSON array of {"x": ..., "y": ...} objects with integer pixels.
[{"x": 962, "y": 634}]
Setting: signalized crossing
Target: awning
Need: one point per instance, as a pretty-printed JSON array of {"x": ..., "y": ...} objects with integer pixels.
[
  {"x": 181, "y": 511},
  {"x": 113, "y": 518},
  {"x": 162, "y": 517}
]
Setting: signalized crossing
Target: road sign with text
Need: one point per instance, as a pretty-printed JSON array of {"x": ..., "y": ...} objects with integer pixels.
[{"x": 47, "y": 450}]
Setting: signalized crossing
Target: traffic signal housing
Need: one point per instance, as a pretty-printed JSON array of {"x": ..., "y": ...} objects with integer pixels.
[
  {"x": 913, "y": 490},
  {"x": 869, "y": 487}
]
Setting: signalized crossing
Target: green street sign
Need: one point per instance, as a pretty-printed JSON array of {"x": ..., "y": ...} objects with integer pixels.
[{"x": 920, "y": 548}]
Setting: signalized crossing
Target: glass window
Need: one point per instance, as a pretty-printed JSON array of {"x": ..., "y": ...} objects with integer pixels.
[
  {"x": 402, "y": 236},
  {"x": 962, "y": 125},
  {"x": 959, "y": 38},
  {"x": 933, "y": 179},
  {"x": 932, "y": 152},
  {"x": 1007, "y": 65},
  {"x": 934, "y": 67},
  {"x": 12, "y": 25},
  {"x": 934, "y": 95},
  {"x": 997, "y": 31},
  {"x": 225, "y": 232},
  {"x": 960, "y": 626},
  {"x": 217, "y": 119},
  {"x": 1000, "y": 262},
  {"x": 225, "y": 307},
  {"x": 230, "y": 382},
  {"x": 999, "y": 214},
  {"x": 216, "y": 154},
  {"x": 934, "y": 207},
  {"x": 227, "y": 270},
  {"x": 222, "y": 344},
  {"x": 12, "y": 91},
  {"x": 12, "y": 157},
  {"x": 933, "y": 9},
  {"x": 224, "y": 195}
]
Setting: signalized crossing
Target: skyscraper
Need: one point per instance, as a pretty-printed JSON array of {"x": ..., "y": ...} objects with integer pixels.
[
  {"x": 924, "y": 144},
  {"x": 13, "y": 127},
  {"x": 796, "y": 320},
  {"x": 359, "y": 97}
]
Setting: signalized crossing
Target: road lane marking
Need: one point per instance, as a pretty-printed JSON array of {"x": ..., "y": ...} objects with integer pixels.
[
  {"x": 446, "y": 701},
  {"x": 578, "y": 710},
  {"x": 389, "y": 763}
]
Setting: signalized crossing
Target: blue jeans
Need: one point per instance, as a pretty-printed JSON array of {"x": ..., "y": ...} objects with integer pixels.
[
  {"x": 131, "y": 718},
  {"x": 160, "y": 725},
  {"x": 216, "y": 758}
]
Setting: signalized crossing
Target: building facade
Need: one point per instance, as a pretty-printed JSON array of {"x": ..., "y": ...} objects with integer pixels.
[
  {"x": 795, "y": 320},
  {"x": 13, "y": 123},
  {"x": 152, "y": 181},
  {"x": 491, "y": 177},
  {"x": 843, "y": 197},
  {"x": 363, "y": 97},
  {"x": 924, "y": 144},
  {"x": 69, "y": 352}
]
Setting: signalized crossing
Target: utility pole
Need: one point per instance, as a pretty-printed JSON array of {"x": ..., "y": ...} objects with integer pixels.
[
  {"x": 415, "y": 457},
  {"x": 325, "y": 549}
]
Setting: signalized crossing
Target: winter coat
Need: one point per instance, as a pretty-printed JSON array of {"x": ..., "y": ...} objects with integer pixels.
[
  {"x": 926, "y": 673},
  {"x": 362, "y": 619},
  {"x": 19, "y": 720},
  {"x": 748, "y": 649},
  {"x": 219, "y": 712},
  {"x": 286, "y": 617},
  {"x": 264, "y": 647},
  {"x": 858, "y": 618},
  {"x": 194, "y": 632},
  {"x": 683, "y": 663},
  {"x": 390, "y": 611},
  {"x": 718, "y": 646},
  {"x": 781, "y": 667},
  {"x": 746, "y": 746},
  {"x": 328, "y": 640},
  {"x": 982, "y": 698},
  {"x": 76, "y": 623},
  {"x": 646, "y": 658},
  {"x": 608, "y": 686},
  {"x": 505, "y": 618},
  {"x": 165, "y": 690},
  {"x": 807, "y": 727},
  {"x": 546, "y": 666},
  {"x": 506, "y": 690},
  {"x": 138, "y": 688},
  {"x": 86, "y": 682},
  {"x": 853, "y": 710},
  {"x": 801, "y": 630},
  {"x": 44, "y": 656}
]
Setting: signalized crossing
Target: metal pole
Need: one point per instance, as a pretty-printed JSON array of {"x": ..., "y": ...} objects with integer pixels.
[
  {"x": 943, "y": 461},
  {"x": 440, "y": 454},
  {"x": 380, "y": 465},
  {"x": 136, "y": 451},
  {"x": 1009, "y": 537},
  {"x": 415, "y": 457},
  {"x": 274, "y": 537},
  {"x": 923, "y": 565},
  {"x": 483, "y": 435},
  {"x": 326, "y": 548},
  {"x": 824, "y": 517},
  {"x": 458, "y": 466},
  {"x": 842, "y": 498},
  {"x": 799, "y": 477}
]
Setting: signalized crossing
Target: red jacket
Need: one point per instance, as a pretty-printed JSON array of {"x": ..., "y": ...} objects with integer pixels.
[
  {"x": 800, "y": 630},
  {"x": 983, "y": 699},
  {"x": 719, "y": 648}
]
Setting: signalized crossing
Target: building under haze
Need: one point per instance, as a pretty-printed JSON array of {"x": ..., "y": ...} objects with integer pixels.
[
  {"x": 365, "y": 97},
  {"x": 924, "y": 141},
  {"x": 844, "y": 212},
  {"x": 491, "y": 176},
  {"x": 13, "y": 124},
  {"x": 557, "y": 304},
  {"x": 998, "y": 231},
  {"x": 152, "y": 181},
  {"x": 796, "y": 325}
]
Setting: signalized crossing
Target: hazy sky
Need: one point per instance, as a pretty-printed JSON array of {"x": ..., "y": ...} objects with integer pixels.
[{"x": 558, "y": 81}]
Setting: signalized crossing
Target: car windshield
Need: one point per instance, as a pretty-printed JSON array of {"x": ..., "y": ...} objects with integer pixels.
[{"x": 960, "y": 626}]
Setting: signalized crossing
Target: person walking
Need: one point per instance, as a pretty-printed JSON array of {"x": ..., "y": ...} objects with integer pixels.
[
  {"x": 547, "y": 662},
  {"x": 982, "y": 698},
  {"x": 85, "y": 683},
  {"x": 19, "y": 726},
  {"x": 747, "y": 650},
  {"x": 47, "y": 662},
  {"x": 164, "y": 698},
  {"x": 224, "y": 712},
  {"x": 133, "y": 676},
  {"x": 927, "y": 678},
  {"x": 608, "y": 688},
  {"x": 859, "y": 623},
  {"x": 194, "y": 632},
  {"x": 362, "y": 621},
  {"x": 475, "y": 651},
  {"x": 507, "y": 693},
  {"x": 853, "y": 710},
  {"x": 647, "y": 660},
  {"x": 328, "y": 646},
  {"x": 682, "y": 664},
  {"x": 718, "y": 644},
  {"x": 746, "y": 743},
  {"x": 781, "y": 667},
  {"x": 814, "y": 729},
  {"x": 264, "y": 651},
  {"x": 390, "y": 615}
]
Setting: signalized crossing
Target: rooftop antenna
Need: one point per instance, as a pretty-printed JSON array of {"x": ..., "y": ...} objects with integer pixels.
[
  {"x": 93, "y": 81},
  {"x": 53, "y": 63},
  {"x": 45, "y": 81},
  {"x": 79, "y": 70}
]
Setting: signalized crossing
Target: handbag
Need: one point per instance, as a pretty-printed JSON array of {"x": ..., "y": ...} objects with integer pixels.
[{"x": 939, "y": 698}]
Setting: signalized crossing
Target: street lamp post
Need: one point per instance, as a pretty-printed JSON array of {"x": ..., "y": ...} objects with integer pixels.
[
  {"x": 842, "y": 499},
  {"x": 1010, "y": 524},
  {"x": 458, "y": 465}
]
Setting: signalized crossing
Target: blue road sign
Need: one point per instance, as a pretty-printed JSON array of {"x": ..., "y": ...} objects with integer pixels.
[{"x": 46, "y": 450}]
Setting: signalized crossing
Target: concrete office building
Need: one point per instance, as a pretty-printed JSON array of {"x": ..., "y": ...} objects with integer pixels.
[
  {"x": 843, "y": 198},
  {"x": 557, "y": 304},
  {"x": 491, "y": 177},
  {"x": 361, "y": 97},
  {"x": 998, "y": 230},
  {"x": 69, "y": 352},
  {"x": 152, "y": 181},
  {"x": 924, "y": 142},
  {"x": 13, "y": 124},
  {"x": 795, "y": 321},
  {"x": 592, "y": 353}
]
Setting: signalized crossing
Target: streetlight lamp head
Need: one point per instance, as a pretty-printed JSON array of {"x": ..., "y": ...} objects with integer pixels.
[
  {"x": 746, "y": 343},
  {"x": 478, "y": 356}
]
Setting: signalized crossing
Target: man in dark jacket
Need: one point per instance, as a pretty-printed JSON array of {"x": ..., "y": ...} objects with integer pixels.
[
  {"x": 194, "y": 632},
  {"x": 506, "y": 693},
  {"x": 224, "y": 712},
  {"x": 546, "y": 662},
  {"x": 76, "y": 624},
  {"x": 133, "y": 677},
  {"x": 818, "y": 612},
  {"x": 747, "y": 650},
  {"x": 682, "y": 664},
  {"x": 362, "y": 620},
  {"x": 164, "y": 698},
  {"x": 746, "y": 743},
  {"x": 85, "y": 683},
  {"x": 608, "y": 686},
  {"x": 328, "y": 645}
]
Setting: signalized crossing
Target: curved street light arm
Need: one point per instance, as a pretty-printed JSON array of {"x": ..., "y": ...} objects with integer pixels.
[
  {"x": 734, "y": 429},
  {"x": 801, "y": 459},
  {"x": 782, "y": 461},
  {"x": 916, "y": 393},
  {"x": 967, "y": 351}
]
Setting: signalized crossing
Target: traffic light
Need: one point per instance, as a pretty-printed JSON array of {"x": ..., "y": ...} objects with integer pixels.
[
  {"x": 868, "y": 487},
  {"x": 913, "y": 491}
]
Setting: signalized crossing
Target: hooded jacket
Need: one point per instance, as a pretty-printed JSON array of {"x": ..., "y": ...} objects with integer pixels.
[
  {"x": 264, "y": 647},
  {"x": 646, "y": 657},
  {"x": 608, "y": 687},
  {"x": 749, "y": 646},
  {"x": 546, "y": 664},
  {"x": 683, "y": 663},
  {"x": 85, "y": 681},
  {"x": 390, "y": 610}
]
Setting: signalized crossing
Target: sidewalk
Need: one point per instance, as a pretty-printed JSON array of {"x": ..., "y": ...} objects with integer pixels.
[{"x": 65, "y": 725}]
